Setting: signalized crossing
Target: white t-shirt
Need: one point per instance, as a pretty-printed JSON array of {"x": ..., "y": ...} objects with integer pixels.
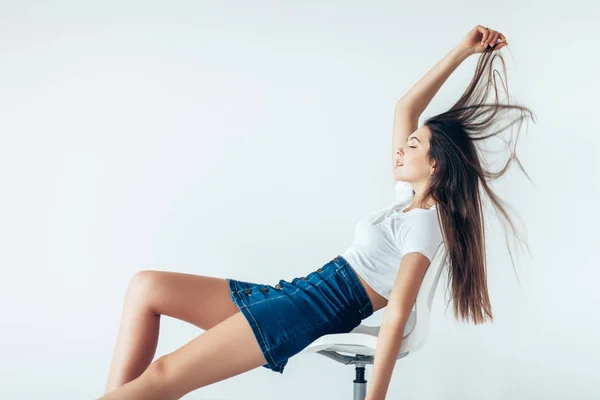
[{"x": 382, "y": 238}]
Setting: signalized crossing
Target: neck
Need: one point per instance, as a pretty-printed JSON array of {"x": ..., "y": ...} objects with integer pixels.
[{"x": 418, "y": 200}]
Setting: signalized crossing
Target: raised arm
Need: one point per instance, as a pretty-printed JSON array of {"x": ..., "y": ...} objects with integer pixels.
[
  {"x": 415, "y": 101},
  {"x": 421, "y": 94}
]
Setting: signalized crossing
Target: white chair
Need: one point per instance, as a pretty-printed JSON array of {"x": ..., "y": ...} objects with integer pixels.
[{"x": 361, "y": 342}]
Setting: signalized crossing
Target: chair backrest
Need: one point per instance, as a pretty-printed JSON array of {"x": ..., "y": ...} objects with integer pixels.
[{"x": 417, "y": 326}]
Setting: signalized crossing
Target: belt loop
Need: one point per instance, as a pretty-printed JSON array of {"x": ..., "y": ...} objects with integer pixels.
[
  {"x": 336, "y": 259},
  {"x": 341, "y": 262}
]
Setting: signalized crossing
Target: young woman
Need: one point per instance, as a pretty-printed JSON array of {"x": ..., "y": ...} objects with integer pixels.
[{"x": 438, "y": 174}]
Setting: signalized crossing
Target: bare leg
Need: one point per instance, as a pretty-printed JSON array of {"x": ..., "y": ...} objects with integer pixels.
[
  {"x": 201, "y": 300},
  {"x": 136, "y": 341},
  {"x": 226, "y": 350}
]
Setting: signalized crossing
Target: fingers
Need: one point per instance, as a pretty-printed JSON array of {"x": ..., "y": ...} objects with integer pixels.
[
  {"x": 498, "y": 46},
  {"x": 485, "y": 33},
  {"x": 494, "y": 39},
  {"x": 490, "y": 37},
  {"x": 487, "y": 38},
  {"x": 503, "y": 38}
]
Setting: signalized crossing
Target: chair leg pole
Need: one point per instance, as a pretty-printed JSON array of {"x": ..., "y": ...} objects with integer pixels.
[{"x": 360, "y": 384}]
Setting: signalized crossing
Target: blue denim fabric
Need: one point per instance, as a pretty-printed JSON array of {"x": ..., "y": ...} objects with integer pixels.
[{"x": 289, "y": 316}]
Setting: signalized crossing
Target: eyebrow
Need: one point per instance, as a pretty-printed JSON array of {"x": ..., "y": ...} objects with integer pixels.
[{"x": 413, "y": 137}]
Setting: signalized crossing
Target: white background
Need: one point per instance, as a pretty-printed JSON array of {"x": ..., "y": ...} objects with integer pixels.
[{"x": 245, "y": 140}]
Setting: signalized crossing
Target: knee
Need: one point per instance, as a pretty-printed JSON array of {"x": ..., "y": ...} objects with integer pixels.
[
  {"x": 141, "y": 284},
  {"x": 159, "y": 369},
  {"x": 161, "y": 376}
]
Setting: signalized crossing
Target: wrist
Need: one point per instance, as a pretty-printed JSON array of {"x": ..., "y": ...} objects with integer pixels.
[{"x": 461, "y": 53}]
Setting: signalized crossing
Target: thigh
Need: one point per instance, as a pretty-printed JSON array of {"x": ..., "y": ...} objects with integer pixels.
[
  {"x": 200, "y": 300},
  {"x": 228, "y": 349}
]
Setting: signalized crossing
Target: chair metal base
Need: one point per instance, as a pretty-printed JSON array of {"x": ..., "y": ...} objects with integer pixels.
[{"x": 360, "y": 383}]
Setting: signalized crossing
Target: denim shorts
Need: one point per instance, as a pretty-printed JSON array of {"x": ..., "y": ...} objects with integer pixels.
[{"x": 289, "y": 316}]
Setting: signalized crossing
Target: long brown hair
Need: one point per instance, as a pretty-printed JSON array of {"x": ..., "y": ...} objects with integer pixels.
[{"x": 458, "y": 178}]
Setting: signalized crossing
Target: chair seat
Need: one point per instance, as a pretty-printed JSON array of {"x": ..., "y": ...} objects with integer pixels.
[
  {"x": 361, "y": 341},
  {"x": 353, "y": 343}
]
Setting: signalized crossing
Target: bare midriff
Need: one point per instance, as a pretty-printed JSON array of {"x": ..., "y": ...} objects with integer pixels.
[{"x": 377, "y": 300}]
